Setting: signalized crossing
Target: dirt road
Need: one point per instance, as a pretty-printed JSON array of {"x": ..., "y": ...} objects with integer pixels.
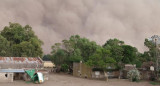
[{"x": 67, "y": 80}]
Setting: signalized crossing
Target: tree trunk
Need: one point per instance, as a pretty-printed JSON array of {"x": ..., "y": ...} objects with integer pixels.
[{"x": 106, "y": 76}]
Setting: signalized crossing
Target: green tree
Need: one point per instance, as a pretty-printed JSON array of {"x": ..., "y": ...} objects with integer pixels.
[
  {"x": 76, "y": 49},
  {"x": 150, "y": 54},
  {"x": 122, "y": 53},
  {"x": 116, "y": 49},
  {"x": 59, "y": 57},
  {"x": 47, "y": 57},
  {"x": 86, "y": 48},
  {"x": 130, "y": 54},
  {"x": 23, "y": 41},
  {"x": 100, "y": 59},
  {"x": 4, "y": 47}
]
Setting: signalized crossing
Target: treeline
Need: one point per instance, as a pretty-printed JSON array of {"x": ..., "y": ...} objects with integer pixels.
[
  {"x": 20, "y": 41},
  {"x": 113, "y": 53}
]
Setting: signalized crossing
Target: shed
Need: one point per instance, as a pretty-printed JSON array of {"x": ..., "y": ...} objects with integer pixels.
[
  {"x": 12, "y": 68},
  {"x": 20, "y": 62},
  {"x": 7, "y": 75}
]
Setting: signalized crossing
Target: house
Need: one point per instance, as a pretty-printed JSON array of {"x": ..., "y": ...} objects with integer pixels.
[{"x": 13, "y": 68}]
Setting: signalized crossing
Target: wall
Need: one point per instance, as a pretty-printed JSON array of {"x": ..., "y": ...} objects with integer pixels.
[
  {"x": 146, "y": 75},
  {"x": 82, "y": 70},
  {"x": 100, "y": 76},
  {"x": 6, "y": 77}
]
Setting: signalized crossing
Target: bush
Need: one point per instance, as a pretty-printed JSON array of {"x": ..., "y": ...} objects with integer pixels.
[
  {"x": 133, "y": 75},
  {"x": 64, "y": 67}
]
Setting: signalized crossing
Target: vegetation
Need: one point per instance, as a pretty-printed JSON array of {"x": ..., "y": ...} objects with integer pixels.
[
  {"x": 134, "y": 75},
  {"x": 19, "y": 41},
  {"x": 64, "y": 67},
  {"x": 46, "y": 57},
  {"x": 155, "y": 83},
  {"x": 113, "y": 53},
  {"x": 75, "y": 49}
]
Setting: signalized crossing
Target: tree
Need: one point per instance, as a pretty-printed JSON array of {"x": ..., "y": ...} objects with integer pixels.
[
  {"x": 59, "y": 57},
  {"x": 75, "y": 49},
  {"x": 85, "y": 46},
  {"x": 116, "y": 49},
  {"x": 130, "y": 54},
  {"x": 47, "y": 57},
  {"x": 100, "y": 59},
  {"x": 23, "y": 41},
  {"x": 150, "y": 54},
  {"x": 4, "y": 47},
  {"x": 114, "y": 42},
  {"x": 122, "y": 53}
]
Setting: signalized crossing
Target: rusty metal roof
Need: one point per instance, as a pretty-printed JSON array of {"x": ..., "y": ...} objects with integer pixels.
[{"x": 20, "y": 60}]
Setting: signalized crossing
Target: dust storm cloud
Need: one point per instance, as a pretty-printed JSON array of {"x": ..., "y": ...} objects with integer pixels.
[{"x": 54, "y": 20}]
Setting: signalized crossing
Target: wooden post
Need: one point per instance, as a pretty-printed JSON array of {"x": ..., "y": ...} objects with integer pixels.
[{"x": 106, "y": 76}]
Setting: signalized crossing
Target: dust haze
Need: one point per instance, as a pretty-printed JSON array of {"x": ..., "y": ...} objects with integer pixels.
[{"x": 99, "y": 20}]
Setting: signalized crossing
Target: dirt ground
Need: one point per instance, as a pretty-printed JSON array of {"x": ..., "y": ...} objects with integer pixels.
[{"x": 68, "y": 80}]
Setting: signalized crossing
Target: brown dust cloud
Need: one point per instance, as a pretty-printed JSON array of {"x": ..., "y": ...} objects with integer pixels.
[{"x": 98, "y": 20}]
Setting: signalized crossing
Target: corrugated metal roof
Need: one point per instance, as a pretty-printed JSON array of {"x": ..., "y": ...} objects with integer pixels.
[
  {"x": 11, "y": 70},
  {"x": 20, "y": 60}
]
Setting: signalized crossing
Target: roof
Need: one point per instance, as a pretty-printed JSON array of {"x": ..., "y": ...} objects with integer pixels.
[
  {"x": 12, "y": 71},
  {"x": 48, "y": 64},
  {"x": 130, "y": 66},
  {"x": 20, "y": 62}
]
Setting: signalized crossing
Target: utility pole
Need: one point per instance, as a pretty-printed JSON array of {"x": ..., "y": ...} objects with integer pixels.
[
  {"x": 155, "y": 40},
  {"x": 156, "y": 57}
]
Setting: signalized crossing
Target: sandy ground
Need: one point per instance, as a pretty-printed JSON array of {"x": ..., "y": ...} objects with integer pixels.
[{"x": 68, "y": 80}]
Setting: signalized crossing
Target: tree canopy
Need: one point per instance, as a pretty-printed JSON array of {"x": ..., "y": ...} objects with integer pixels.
[
  {"x": 22, "y": 41},
  {"x": 4, "y": 47},
  {"x": 76, "y": 49}
]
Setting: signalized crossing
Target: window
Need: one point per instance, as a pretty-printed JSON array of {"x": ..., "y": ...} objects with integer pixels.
[{"x": 6, "y": 75}]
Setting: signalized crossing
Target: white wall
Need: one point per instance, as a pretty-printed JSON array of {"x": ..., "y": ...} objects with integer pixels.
[{"x": 6, "y": 77}]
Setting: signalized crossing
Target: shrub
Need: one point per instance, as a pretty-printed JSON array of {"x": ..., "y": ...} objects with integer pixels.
[
  {"x": 64, "y": 67},
  {"x": 133, "y": 75}
]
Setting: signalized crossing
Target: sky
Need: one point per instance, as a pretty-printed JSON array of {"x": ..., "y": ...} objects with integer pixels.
[{"x": 98, "y": 20}]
